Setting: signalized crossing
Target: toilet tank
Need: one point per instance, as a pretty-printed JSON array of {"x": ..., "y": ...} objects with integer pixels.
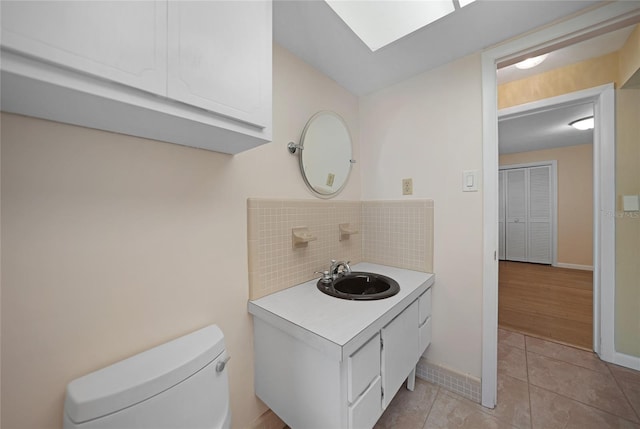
[{"x": 180, "y": 384}]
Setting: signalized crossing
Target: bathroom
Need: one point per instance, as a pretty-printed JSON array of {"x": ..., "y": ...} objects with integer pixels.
[{"x": 112, "y": 244}]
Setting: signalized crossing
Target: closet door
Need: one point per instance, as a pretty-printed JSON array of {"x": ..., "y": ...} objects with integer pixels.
[
  {"x": 516, "y": 215},
  {"x": 501, "y": 217},
  {"x": 539, "y": 215}
]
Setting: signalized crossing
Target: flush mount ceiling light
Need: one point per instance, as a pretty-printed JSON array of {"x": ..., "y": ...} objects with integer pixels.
[
  {"x": 583, "y": 123},
  {"x": 378, "y": 23},
  {"x": 531, "y": 62}
]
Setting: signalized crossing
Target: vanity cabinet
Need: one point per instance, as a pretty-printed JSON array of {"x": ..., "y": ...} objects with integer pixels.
[
  {"x": 187, "y": 72},
  {"x": 325, "y": 362}
]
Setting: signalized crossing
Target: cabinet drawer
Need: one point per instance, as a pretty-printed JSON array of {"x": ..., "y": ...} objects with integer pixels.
[
  {"x": 425, "y": 306},
  {"x": 368, "y": 409},
  {"x": 425, "y": 336},
  {"x": 363, "y": 367}
]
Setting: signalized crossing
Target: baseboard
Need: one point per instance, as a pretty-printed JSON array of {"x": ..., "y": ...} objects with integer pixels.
[
  {"x": 627, "y": 361},
  {"x": 574, "y": 266},
  {"x": 462, "y": 384},
  {"x": 268, "y": 420}
]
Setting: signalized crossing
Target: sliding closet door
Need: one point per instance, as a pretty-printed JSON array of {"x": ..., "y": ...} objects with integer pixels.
[
  {"x": 539, "y": 216},
  {"x": 501, "y": 218},
  {"x": 516, "y": 215}
]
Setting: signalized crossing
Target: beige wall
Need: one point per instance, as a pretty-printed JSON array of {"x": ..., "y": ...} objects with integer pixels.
[
  {"x": 113, "y": 244},
  {"x": 628, "y": 223},
  {"x": 575, "y": 198},
  {"x": 574, "y": 77},
  {"x": 428, "y": 128}
]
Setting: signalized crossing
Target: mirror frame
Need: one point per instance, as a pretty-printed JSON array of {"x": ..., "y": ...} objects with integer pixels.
[{"x": 301, "y": 148}]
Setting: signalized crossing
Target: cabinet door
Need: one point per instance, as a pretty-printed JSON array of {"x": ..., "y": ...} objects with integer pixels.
[
  {"x": 400, "y": 339},
  {"x": 220, "y": 57},
  {"x": 122, "y": 41}
]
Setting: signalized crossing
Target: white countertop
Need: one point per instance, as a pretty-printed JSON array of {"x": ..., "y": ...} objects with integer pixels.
[{"x": 309, "y": 314}]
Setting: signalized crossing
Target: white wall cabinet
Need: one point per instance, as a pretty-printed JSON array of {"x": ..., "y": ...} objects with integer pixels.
[
  {"x": 345, "y": 373},
  {"x": 123, "y": 42},
  {"x": 191, "y": 73},
  {"x": 216, "y": 61}
]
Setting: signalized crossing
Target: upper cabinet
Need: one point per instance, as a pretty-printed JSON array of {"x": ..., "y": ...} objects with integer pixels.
[
  {"x": 216, "y": 61},
  {"x": 192, "y": 73},
  {"x": 124, "y": 42}
]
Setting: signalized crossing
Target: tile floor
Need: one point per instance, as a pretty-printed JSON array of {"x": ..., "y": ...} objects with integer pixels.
[{"x": 541, "y": 384}]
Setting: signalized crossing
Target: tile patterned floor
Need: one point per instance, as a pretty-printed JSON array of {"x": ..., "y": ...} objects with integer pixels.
[{"x": 541, "y": 385}]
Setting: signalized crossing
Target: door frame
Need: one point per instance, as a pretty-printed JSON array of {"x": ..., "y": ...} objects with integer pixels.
[
  {"x": 603, "y": 19},
  {"x": 554, "y": 199}
]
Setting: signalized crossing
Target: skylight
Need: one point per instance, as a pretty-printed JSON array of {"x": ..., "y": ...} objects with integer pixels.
[{"x": 380, "y": 22}]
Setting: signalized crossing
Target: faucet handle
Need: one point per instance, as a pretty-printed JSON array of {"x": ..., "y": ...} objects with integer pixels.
[{"x": 326, "y": 276}]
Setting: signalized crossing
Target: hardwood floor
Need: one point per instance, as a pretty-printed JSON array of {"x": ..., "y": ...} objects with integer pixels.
[{"x": 546, "y": 302}]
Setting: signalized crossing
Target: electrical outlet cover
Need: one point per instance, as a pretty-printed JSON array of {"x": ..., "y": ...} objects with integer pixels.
[{"x": 407, "y": 186}]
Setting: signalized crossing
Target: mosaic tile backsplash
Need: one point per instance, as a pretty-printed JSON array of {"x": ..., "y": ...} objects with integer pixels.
[{"x": 395, "y": 233}]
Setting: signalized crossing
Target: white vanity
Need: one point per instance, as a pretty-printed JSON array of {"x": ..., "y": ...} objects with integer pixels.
[{"x": 325, "y": 362}]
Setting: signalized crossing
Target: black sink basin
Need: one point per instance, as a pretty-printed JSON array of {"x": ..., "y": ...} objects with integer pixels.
[{"x": 360, "y": 286}]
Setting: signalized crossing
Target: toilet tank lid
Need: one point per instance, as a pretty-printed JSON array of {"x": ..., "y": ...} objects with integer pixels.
[{"x": 139, "y": 377}]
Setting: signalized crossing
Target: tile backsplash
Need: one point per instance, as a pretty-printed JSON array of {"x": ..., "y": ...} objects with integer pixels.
[{"x": 396, "y": 233}]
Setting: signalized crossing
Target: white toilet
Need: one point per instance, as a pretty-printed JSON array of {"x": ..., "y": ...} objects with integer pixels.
[{"x": 181, "y": 384}]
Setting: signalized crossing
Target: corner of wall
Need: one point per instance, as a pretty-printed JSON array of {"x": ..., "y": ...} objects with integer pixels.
[{"x": 629, "y": 61}]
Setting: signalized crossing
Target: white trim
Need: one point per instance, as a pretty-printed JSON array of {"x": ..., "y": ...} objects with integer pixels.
[
  {"x": 489, "y": 378},
  {"x": 574, "y": 266},
  {"x": 604, "y": 234},
  {"x": 554, "y": 198},
  {"x": 607, "y": 16},
  {"x": 628, "y": 361}
]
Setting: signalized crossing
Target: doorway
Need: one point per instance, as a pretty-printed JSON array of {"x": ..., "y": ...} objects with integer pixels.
[
  {"x": 541, "y": 294},
  {"x": 598, "y": 21}
]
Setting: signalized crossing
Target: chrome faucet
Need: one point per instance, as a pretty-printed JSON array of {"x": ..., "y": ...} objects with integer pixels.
[{"x": 335, "y": 268}]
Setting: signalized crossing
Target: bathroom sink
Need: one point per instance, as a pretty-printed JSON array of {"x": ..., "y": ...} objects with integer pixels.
[{"x": 360, "y": 286}]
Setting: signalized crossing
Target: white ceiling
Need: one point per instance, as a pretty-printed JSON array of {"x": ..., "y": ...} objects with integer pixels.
[
  {"x": 312, "y": 31},
  {"x": 544, "y": 130}
]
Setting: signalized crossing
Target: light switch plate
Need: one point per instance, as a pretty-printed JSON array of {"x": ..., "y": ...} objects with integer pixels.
[
  {"x": 631, "y": 203},
  {"x": 470, "y": 180}
]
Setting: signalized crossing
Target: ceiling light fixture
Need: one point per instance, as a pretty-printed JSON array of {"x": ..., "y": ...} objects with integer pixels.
[
  {"x": 379, "y": 23},
  {"x": 583, "y": 123},
  {"x": 531, "y": 62}
]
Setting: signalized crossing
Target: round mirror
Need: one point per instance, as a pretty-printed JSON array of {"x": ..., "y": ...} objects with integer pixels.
[{"x": 326, "y": 156}]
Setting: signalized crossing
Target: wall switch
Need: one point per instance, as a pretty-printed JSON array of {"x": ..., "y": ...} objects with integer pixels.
[
  {"x": 407, "y": 186},
  {"x": 470, "y": 181}
]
